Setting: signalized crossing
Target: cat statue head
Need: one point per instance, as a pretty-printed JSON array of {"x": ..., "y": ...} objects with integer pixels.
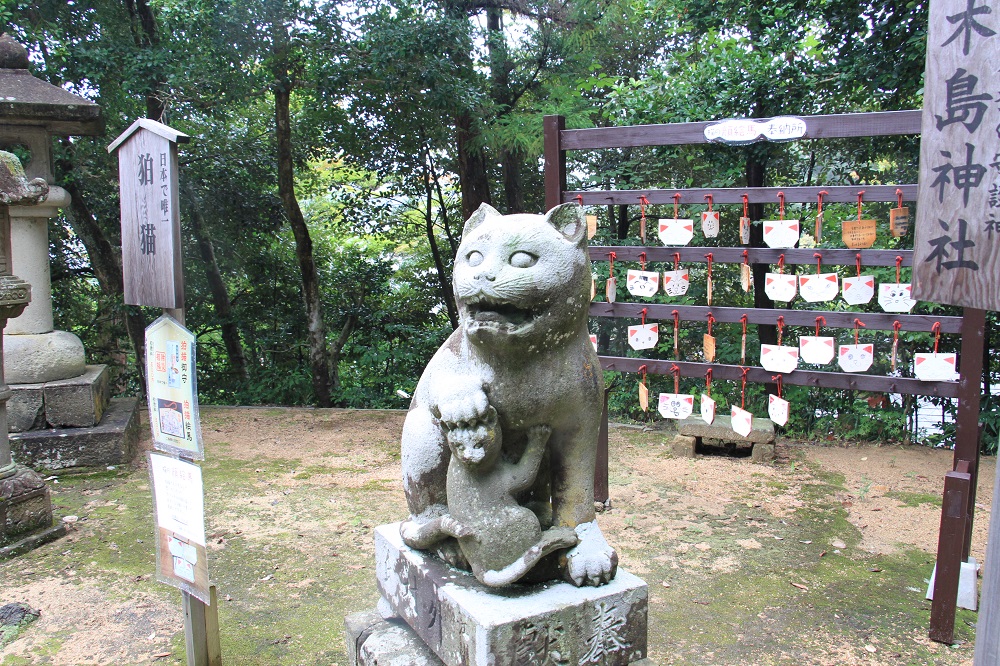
[{"x": 523, "y": 281}]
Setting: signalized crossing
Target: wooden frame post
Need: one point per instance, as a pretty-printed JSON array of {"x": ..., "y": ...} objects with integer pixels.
[
  {"x": 555, "y": 161},
  {"x": 951, "y": 542}
]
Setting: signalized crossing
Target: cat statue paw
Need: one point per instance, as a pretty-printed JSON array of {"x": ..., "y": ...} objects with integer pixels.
[{"x": 592, "y": 562}]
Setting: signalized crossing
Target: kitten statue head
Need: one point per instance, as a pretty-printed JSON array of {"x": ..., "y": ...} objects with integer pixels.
[{"x": 523, "y": 281}]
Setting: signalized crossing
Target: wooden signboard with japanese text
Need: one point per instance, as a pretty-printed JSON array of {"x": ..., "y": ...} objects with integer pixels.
[
  {"x": 151, "y": 248},
  {"x": 957, "y": 242}
]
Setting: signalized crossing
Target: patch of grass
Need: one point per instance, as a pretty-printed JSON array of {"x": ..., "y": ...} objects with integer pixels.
[{"x": 914, "y": 499}]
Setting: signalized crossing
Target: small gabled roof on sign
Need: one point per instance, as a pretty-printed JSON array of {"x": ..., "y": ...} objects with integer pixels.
[{"x": 160, "y": 129}]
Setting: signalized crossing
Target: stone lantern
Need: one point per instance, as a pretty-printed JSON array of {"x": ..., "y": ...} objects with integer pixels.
[
  {"x": 52, "y": 385},
  {"x": 25, "y": 505}
]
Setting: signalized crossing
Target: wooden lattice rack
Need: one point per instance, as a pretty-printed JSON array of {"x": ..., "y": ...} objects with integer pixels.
[{"x": 959, "y": 496}]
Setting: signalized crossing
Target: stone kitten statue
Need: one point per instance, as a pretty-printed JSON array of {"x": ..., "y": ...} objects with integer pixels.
[
  {"x": 522, "y": 285},
  {"x": 501, "y": 539}
]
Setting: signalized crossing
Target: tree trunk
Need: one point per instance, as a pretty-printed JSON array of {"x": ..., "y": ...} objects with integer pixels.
[
  {"x": 143, "y": 26},
  {"x": 217, "y": 286},
  {"x": 319, "y": 358},
  {"x": 446, "y": 291},
  {"x": 473, "y": 179}
]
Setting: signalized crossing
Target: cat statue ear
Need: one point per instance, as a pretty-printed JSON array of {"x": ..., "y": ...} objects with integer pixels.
[
  {"x": 568, "y": 220},
  {"x": 484, "y": 211}
]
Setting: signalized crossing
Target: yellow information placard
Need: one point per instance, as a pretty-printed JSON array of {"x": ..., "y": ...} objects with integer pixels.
[{"x": 171, "y": 388}]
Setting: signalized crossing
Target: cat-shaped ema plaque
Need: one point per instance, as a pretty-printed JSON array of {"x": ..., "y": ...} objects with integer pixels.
[
  {"x": 642, "y": 283},
  {"x": 815, "y": 349},
  {"x": 643, "y": 336},
  {"x": 676, "y": 231},
  {"x": 710, "y": 223},
  {"x": 777, "y": 409},
  {"x": 895, "y": 297},
  {"x": 780, "y": 234},
  {"x": 675, "y": 405},
  {"x": 858, "y": 290},
  {"x": 742, "y": 421},
  {"x": 931, "y": 367},
  {"x": 707, "y": 408},
  {"x": 676, "y": 283},
  {"x": 855, "y": 358},
  {"x": 779, "y": 287},
  {"x": 776, "y": 358},
  {"x": 819, "y": 287}
]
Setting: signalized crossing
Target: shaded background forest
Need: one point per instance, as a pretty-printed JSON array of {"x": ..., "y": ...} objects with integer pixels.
[{"x": 338, "y": 147}]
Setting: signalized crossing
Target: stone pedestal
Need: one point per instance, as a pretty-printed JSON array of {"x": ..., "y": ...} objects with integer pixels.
[
  {"x": 78, "y": 402},
  {"x": 25, "y": 513},
  {"x": 113, "y": 441},
  {"x": 463, "y": 623}
]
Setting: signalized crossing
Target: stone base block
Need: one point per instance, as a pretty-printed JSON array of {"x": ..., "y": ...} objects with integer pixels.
[
  {"x": 25, "y": 505},
  {"x": 78, "y": 402},
  {"x": 683, "y": 446},
  {"x": 112, "y": 442},
  {"x": 968, "y": 590},
  {"x": 467, "y": 624},
  {"x": 42, "y": 357},
  {"x": 763, "y": 453},
  {"x": 26, "y": 407}
]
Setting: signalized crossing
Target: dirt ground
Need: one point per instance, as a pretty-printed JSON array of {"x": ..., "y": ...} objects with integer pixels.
[{"x": 819, "y": 558}]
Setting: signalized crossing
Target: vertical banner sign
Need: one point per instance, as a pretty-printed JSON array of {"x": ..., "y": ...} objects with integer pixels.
[
  {"x": 179, "y": 510},
  {"x": 151, "y": 245},
  {"x": 172, "y": 389},
  {"x": 956, "y": 258}
]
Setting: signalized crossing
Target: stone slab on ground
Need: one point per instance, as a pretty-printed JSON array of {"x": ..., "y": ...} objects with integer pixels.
[
  {"x": 722, "y": 429},
  {"x": 78, "y": 402},
  {"x": 25, "y": 505},
  {"x": 26, "y": 407},
  {"x": 468, "y": 624},
  {"x": 112, "y": 442}
]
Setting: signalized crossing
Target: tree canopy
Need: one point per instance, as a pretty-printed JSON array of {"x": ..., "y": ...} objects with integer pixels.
[{"x": 338, "y": 148}]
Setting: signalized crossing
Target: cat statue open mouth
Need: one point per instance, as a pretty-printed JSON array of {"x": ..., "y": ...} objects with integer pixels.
[{"x": 516, "y": 507}]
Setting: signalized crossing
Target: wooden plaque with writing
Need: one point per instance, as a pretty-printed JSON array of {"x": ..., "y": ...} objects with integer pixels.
[
  {"x": 956, "y": 258},
  {"x": 151, "y": 248}
]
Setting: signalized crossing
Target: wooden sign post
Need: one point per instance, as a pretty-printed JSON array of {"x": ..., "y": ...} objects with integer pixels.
[
  {"x": 957, "y": 243},
  {"x": 152, "y": 271}
]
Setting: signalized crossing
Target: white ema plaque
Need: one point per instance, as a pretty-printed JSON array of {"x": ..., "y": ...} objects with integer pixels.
[
  {"x": 676, "y": 283},
  {"x": 895, "y": 297},
  {"x": 818, "y": 350},
  {"x": 675, "y": 405},
  {"x": 707, "y": 408},
  {"x": 642, "y": 283},
  {"x": 776, "y": 358},
  {"x": 710, "y": 223},
  {"x": 819, "y": 287},
  {"x": 933, "y": 367},
  {"x": 742, "y": 421},
  {"x": 172, "y": 388},
  {"x": 643, "y": 336},
  {"x": 858, "y": 290},
  {"x": 779, "y": 287},
  {"x": 676, "y": 231},
  {"x": 777, "y": 409},
  {"x": 781, "y": 234},
  {"x": 855, "y": 358}
]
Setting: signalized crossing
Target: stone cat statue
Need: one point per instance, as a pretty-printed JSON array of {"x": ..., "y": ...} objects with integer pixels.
[{"x": 522, "y": 348}]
